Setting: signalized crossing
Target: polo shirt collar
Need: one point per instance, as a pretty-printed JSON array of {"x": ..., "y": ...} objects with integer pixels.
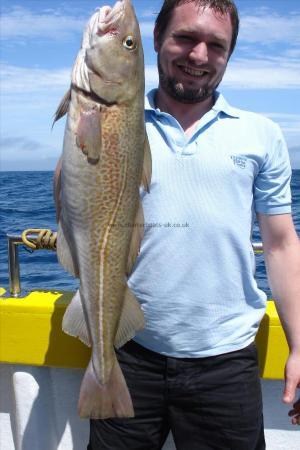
[
  {"x": 220, "y": 106},
  {"x": 150, "y": 101}
]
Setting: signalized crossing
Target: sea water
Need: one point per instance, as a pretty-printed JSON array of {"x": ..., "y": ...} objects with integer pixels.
[{"x": 27, "y": 202}]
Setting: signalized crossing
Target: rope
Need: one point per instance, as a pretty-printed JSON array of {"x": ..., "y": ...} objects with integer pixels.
[{"x": 45, "y": 239}]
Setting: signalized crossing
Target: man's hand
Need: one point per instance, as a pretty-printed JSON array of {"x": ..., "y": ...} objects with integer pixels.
[
  {"x": 292, "y": 382},
  {"x": 296, "y": 413}
]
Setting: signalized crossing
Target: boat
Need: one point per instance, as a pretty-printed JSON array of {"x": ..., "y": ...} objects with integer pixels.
[{"x": 41, "y": 367}]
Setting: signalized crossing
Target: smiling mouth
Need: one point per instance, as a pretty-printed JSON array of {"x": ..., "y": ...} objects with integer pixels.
[{"x": 194, "y": 72}]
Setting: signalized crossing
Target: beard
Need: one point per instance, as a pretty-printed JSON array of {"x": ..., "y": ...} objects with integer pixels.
[{"x": 182, "y": 94}]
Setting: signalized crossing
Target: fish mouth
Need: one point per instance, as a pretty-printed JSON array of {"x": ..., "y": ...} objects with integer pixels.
[{"x": 109, "y": 17}]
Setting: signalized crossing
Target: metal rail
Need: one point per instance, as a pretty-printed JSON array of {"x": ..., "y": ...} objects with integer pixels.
[
  {"x": 13, "y": 264},
  {"x": 13, "y": 243}
]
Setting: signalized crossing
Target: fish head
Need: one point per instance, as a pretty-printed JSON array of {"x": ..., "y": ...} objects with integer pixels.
[{"x": 114, "y": 54}]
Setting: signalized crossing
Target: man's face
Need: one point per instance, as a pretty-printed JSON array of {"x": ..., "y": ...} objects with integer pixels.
[{"x": 193, "y": 52}]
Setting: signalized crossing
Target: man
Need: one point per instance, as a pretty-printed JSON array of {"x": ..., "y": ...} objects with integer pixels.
[{"x": 193, "y": 369}]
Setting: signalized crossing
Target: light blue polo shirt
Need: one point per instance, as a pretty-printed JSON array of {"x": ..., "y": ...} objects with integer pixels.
[{"x": 194, "y": 276}]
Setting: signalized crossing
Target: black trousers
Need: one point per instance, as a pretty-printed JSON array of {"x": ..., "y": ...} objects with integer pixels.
[{"x": 211, "y": 403}]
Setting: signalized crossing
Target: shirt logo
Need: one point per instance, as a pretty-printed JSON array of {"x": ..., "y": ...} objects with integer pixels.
[{"x": 239, "y": 161}]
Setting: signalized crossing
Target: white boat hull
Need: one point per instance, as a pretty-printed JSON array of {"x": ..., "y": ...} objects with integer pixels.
[{"x": 38, "y": 410}]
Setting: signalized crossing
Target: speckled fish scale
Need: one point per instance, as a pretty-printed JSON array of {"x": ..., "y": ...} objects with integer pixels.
[{"x": 105, "y": 158}]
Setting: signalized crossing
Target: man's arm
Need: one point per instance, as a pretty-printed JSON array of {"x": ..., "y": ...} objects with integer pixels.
[{"x": 282, "y": 257}]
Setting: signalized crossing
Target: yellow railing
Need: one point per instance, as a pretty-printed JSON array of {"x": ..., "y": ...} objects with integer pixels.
[{"x": 31, "y": 334}]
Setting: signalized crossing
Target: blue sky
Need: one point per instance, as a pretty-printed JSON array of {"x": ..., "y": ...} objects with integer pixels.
[{"x": 40, "y": 39}]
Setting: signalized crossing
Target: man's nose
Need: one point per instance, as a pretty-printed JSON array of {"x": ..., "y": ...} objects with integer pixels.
[{"x": 199, "y": 53}]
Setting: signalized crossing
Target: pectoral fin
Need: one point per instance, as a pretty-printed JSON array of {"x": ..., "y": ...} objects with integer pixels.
[
  {"x": 147, "y": 167},
  {"x": 63, "y": 107},
  {"x": 89, "y": 134}
]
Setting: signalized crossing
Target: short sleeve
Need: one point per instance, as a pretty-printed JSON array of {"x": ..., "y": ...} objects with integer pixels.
[{"x": 272, "y": 192}]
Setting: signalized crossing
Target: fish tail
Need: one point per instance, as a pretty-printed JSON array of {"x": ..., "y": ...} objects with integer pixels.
[{"x": 101, "y": 401}]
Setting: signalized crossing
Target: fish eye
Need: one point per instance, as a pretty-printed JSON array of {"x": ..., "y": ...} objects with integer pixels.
[{"x": 129, "y": 43}]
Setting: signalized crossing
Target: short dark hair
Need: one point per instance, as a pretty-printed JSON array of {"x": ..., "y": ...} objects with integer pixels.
[{"x": 219, "y": 6}]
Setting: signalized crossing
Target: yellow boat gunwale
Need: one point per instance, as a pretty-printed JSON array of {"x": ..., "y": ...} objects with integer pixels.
[{"x": 31, "y": 334}]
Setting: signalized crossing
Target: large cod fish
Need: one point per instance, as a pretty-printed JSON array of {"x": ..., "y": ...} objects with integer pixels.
[{"x": 106, "y": 157}]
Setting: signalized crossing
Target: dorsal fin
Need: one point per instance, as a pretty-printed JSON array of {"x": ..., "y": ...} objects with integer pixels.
[{"x": 62, "y": 107}]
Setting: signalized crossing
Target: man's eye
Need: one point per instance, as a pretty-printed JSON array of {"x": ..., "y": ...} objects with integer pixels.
[
  {"x": 217, "y": 45},
  {"x": 183, "y": 37}
]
